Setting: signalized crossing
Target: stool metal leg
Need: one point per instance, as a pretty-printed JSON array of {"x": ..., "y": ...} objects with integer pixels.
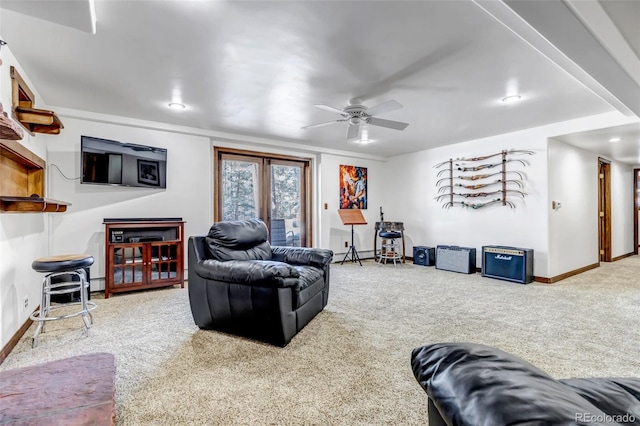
[
  {"x": 43, "y": 315},
  {"x": 42, "y": 311},
  {"x": 83, "y": 300}
]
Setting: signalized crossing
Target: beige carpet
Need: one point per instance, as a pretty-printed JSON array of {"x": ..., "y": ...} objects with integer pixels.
[{"x": 350, "y": 365}]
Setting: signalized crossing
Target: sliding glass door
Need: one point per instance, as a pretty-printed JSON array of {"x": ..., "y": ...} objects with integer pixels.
[{"x": 274, "y": 189}]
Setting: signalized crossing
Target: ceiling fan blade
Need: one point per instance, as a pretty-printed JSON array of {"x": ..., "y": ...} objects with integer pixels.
[
  {"x": 330, "y": 108},
  {"x": 322, "y": 124},
  {"x": 353, "y": 131},
  {"x": 398, "y": 125},
  {"x": 384, "y": 107}
]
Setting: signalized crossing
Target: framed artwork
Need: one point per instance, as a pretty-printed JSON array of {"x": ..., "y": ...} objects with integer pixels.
[
  {"x": 148, "y": 172},
  {"x": 353, "y": 187}
]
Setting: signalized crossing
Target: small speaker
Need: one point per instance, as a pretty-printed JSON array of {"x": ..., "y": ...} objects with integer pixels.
[
  {"x": 508, "y": 263},
  {"x": 70, "y": 297},
  {"x": 424, "y": 256},
  {"x": 456, "y": 259}
]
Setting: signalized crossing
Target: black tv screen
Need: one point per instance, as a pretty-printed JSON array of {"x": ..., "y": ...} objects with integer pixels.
[{"x": 106, "y": 162}]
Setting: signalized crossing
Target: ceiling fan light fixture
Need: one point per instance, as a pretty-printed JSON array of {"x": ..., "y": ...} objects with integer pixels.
[
  {"x": 177, "y": 106},
  {"x": 511, "y": 99}
]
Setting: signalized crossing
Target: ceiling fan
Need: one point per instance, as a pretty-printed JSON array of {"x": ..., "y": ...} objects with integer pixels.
[{"x": 356, "y": 114}]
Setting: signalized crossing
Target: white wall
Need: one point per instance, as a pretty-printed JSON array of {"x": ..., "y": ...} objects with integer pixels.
[
  {"x": 532, "y": 224},
  {"x": 573, "y": 237},
  {"x": 412, "y": 191},
  {"x": 23, "y": 237},
  {"x": 573, "y": 228},
  {"x": 333, "y": 233},
  {"x": 80, "y": 229}
]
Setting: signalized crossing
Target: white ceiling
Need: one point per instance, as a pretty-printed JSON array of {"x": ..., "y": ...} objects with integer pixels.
[{"x": 257, "y": 67}]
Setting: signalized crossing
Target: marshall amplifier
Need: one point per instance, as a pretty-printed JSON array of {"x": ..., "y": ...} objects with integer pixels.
[
  {"x": 456, "y": 259},
  {"x": 424, "y": 255},
  {"x": 508, "y": 263}
]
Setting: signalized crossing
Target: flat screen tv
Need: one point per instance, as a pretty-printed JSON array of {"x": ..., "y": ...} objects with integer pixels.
[{"x": 106, "y": 162}]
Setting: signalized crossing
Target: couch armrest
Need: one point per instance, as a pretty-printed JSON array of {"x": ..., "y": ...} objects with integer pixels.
[
  {"x": 262, "y": 273},
  {"x": 302, "y": 256},
  {"x": 472, "y": 384}
]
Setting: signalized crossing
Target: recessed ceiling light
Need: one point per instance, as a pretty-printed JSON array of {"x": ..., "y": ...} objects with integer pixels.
[
  {"x": 177, "y": 106},
  {"x": 511, "y": 99},
  {"x": 616, "y": 139}
]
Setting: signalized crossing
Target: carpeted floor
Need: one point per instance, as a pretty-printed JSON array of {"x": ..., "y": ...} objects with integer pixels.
[{"x": 350, "y": 365}]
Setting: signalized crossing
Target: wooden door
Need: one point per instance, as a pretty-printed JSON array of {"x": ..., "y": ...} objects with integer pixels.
[{"x": 604, "y": 210}]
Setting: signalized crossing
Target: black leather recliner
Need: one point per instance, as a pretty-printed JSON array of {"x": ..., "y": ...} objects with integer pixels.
[
  {"x": 470, "y": 384},
  {"x": 239, "y": 283}
]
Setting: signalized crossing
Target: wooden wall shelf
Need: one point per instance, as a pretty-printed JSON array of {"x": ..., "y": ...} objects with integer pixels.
[
  {"x": 23, "y": 101},
  {"x": 22, "y": 181},
  {"x": 31, "y": 205}
]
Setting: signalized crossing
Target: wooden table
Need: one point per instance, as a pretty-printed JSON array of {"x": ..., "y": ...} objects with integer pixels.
[{"x": 69, "y": 392}]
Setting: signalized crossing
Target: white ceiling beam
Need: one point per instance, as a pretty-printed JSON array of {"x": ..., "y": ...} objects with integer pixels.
[{"x": 553, "y": 30}]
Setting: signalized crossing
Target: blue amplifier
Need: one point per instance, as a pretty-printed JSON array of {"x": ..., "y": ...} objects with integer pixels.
[{"x": 508, "y": 263}]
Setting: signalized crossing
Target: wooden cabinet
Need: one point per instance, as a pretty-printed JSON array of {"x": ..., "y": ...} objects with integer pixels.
[{"x": 143, "y": 253}]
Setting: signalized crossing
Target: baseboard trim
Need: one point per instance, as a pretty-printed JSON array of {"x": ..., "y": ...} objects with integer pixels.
[
  {"x": 4, "y": 353},
  {"x": 623, "y": 256},
  {"x": 561, "y": 277}
]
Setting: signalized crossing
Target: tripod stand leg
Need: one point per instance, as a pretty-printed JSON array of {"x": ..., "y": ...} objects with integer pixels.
[
  {"x": 353, "y": 251},
  {"x": 354, "y": 255}
]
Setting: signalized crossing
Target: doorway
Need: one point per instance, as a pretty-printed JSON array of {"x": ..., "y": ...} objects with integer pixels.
[
  {"x": 272, "y": 188},
  {"x": 604, "y": 209},
  {"x": 636, "y": 208}
]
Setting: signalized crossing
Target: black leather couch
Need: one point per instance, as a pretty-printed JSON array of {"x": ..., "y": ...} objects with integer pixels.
[
  {"x": 239, "y": 283},
  {"x": 472, "y": 384}
]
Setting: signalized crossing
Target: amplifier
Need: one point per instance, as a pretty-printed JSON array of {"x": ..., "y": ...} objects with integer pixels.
[
  {"x": 146, "y": 239},
  {"x": 117, "y": 236},
  {"x": 456, "y": 259},
  {"x": 424, "y": 255},
  {"x": 508, "y": 263}
]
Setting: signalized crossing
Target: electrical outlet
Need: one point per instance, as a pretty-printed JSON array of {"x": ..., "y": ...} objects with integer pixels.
[
  {"x": 346, "y": 243},
  {"x": 26, "y": 303}
]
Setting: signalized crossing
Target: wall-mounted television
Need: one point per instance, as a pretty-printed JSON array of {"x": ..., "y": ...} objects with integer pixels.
[{"x": 107, "y": 162}]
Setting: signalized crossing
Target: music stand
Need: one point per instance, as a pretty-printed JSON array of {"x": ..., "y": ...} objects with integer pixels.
[{"x": 352, "y": 217}]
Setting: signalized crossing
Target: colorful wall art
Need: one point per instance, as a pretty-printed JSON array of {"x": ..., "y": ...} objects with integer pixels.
[{"x": 353, "y": 187}]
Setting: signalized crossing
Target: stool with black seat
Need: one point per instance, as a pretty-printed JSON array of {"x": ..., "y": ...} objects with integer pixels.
[
  {"x": 390, "y": 249},
  {"x": 55, "y": 266}
]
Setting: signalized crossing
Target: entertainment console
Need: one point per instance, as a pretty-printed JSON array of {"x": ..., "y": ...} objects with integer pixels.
[{"x": 143, "y": 253}]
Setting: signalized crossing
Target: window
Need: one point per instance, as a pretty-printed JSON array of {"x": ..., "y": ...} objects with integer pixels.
[{"x": 273, "y": 188}]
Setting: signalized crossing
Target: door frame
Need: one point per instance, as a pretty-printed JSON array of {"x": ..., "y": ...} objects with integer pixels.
[
  {"x": 604, "y": 210},
  {"x": 636, "y": 207},
  {"x": 305, "y": 210}
]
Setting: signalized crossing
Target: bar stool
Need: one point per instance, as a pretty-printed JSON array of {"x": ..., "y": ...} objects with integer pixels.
[
  {"x": 53, "y": 266},
  {"x": 390, "y": 249}
]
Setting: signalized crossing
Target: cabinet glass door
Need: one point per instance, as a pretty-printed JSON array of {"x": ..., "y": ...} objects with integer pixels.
[
  {"x": 164, "y": 261},
  {"x": 128, "y": 264}
]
